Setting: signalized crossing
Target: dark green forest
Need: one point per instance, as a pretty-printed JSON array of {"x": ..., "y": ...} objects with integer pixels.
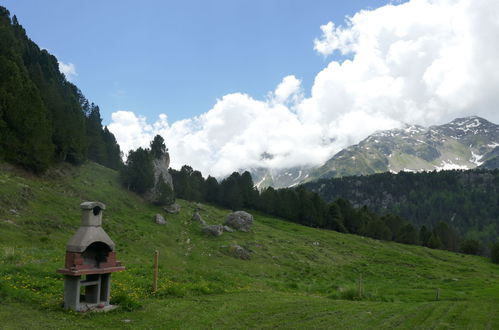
[
  {"x": 44, "y": 118},
  {"x": 466, "y": 200},
  {"x": 308, "y": 208}
]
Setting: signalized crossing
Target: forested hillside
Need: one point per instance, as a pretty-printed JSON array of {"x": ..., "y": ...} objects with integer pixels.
[
  {"x": 309, "y": 208},
  {"x": 467, "y": 200},
  {"x": 44, "y": 118}
]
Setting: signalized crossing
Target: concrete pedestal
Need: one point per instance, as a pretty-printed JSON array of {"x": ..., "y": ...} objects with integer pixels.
[{"x": 96, "y": 295}]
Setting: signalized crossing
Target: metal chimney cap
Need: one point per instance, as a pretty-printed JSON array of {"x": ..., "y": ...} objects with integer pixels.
[{"x": 92, "y": 205}]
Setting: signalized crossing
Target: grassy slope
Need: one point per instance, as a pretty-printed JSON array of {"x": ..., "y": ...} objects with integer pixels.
[{"x": 297, "y": 277}]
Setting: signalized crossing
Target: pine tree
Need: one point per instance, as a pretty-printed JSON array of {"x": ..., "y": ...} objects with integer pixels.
[
  {"x": 113, "y": 151},
  {"x": 212, "y": 190},
  {"x": 137, "y": 174},
  {"x": 96, "y": 146},
  {"x": 434, "y": 242},
  {"x": 471, "y": 246},
  {"x": 158, "y": 147},
  {"x": 494, "y": 255},
  {"x": 424, "y": 235},
  {"x": 408, "y": 234},
  {"x": 334, "y": 219},
  {"x": 248, "y": 190},
  {"x": 230, "y": 193}
]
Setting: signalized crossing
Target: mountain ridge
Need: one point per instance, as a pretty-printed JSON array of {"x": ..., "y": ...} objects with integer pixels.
[
  {"x": 463, "y": 143},
  {"x": 459, "y": 144}
]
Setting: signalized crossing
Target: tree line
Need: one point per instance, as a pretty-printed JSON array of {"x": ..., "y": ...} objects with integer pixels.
[
  {"x": 308, "y": 208},
  {"x": 466, "y": 200},
  {"x": 44, "y": 118}
]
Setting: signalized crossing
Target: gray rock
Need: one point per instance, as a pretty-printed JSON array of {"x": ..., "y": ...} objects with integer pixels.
[
  {"x": 197, "y": 217},
  {"x": 158, "y": 218},
  {"x": 239, "y": 252},
  {"x": 228, "y": 229},
  {"x": 160, "y": 168},
  {"x": 173, "y": 208},
  {"x": 239, "y": 220},
  {"x": 213, "y": 230}
]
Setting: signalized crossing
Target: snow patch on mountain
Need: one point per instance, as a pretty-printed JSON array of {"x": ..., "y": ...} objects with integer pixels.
[
  {"x": 447, "y": 166},
  {"x": 475, "y": 158}
]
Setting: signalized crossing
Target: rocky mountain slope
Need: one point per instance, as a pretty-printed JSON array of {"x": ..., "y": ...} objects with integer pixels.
[
  {"x": 464, "y": 143},
  {"x": 279, "y": 178}
]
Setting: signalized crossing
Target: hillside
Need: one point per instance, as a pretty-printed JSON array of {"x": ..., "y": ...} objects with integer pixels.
[
  {"x": 44, "y": 118},
  {"x": 297, "y": 277},
  {"x": 466, "y": 200}
]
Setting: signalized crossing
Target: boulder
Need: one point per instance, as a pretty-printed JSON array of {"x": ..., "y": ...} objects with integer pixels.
[
  {"x": 197, "y": 217},
  {"x": 213, "y": 230},
  {"x": 239, "y": 252},
  {"x": 161, "y": 177},
  {"x": 158, "y": 218},
  {"x": 172, "y": 208},
  {"x": 239, "y": 220},
  {"x": 228, "y": 229}
]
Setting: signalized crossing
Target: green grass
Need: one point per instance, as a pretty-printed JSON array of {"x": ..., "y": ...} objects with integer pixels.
[{"x": 298, "y": 277}]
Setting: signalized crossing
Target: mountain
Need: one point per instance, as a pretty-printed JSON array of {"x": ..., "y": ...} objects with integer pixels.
[
  {"x": 279, "y": 178},
  {"x": 464, "y": 143},
  {"x": 491, "y": 159}
]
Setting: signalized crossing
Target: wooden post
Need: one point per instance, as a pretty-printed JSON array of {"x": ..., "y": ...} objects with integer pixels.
[
  {"x": 360, "y": 286},
  {"x": 155, "y": 279},
  {"x": 437, "y": 296}
]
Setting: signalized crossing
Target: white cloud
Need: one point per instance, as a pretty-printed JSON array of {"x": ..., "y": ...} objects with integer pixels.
[
  {"x": 69, "y": 70},
  {"x": 423, "y": 62},
  {"x": 288, "y": 90}
]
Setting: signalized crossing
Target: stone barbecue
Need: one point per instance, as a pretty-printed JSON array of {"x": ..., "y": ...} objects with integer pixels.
[{"x": 90, "y": 260}]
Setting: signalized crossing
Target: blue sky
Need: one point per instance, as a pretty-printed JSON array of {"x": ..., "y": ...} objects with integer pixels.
[
  {"x": 225, "y": 82},
  {"x": 179, "y": 57}
]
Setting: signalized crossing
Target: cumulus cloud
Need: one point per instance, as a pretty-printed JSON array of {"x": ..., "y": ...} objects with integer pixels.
[
  {"x": 423, "y": 62},
  {"x": 69, "y": 70}
]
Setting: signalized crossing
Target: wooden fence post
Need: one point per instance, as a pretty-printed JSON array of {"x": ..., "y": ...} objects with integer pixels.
[
  {"x": 156, "y": 264},
  {"x": 360, "y": 286}
]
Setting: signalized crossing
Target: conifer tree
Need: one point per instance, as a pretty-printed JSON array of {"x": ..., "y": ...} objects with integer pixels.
[
  {"x": 158, "y": 147},
  {"x": 137, "y": 174}
]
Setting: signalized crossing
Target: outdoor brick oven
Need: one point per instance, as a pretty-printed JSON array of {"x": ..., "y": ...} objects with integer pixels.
[{"x": 90, "y": 260}]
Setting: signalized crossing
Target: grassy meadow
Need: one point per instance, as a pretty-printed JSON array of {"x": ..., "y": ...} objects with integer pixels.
[{"x": 297, "y": 277}]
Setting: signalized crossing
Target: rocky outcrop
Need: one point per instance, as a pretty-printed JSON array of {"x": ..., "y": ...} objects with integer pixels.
[
  {"x": 213, "y": 230},
  {"x": 238, "y": 251},
  {"x": 162, "y": 191},
  {"x": 239, "y": 220},
  {"x": 197, "y": 218},
  {"x": 172, "y": 208},
  {"x": 158, "y": 218}
]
